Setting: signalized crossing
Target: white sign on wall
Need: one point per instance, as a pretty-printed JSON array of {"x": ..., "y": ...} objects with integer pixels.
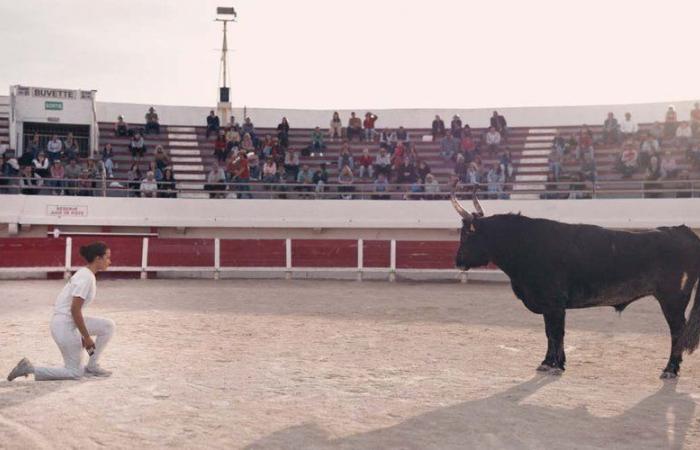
[{"x": 66, "y": 211}]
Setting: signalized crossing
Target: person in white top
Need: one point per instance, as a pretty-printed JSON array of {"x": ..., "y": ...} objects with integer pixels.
[
  {"x": 70, "y": 330},
  {"x": 628, "y": 127}
]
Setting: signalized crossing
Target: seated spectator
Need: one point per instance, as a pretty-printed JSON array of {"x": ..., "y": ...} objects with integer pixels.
[
  {"x": 473, "y": 174},
  {"x": 240, "y": 172},
  {"x": 120, "y": 127},
  {"x": 54, "y": 148},
  {"x": 317, "y": 145},
  {"x": 460, "y": 169},
  {"x": 247, "y": 143},
  {"x": 588, "y": 168},
  {"x": 506, "y": 162},
  {"x": 161, "y": 159},
  {"x": 249, "y": 128},
  {"x": 291, "y": 163},
  {"x": 283, "y": 133},
  {"x": 34, "y": 146},
  {"x": 468, "y": 147},
  {"x": 216, "y": 179},
  {"x": 431, "y": 187},
  {"x": 669, "y": 168},
  {"x": 657, "y": 131},
  {"x": 382, "y": 163},
  {"x": 498, "y": 122},
  {"x": 438, "y": 128},
  {"x": 611, "y": 130},
  {"x": 72, "y": 172},
  {"x": 30, "y": 183},
  {"x": 456, "y": 128},
  {"x": 654, "y": 169},
  {"x": 269, "y": 171},
  {"x": 336, "y": 127},
  {"x": 559, "y": 144},
  {"x": 448, "y": 147},
  {"x": 365, "y": 163},
  {"x": 684, "y": 134},
  {"x": 157, "y": 173},
  {"x": 70, "y": 147},
  {"x": 649, "y": 147},
  {"x": 137, "y": 146},
  {"x": 149, "y": 186},
  {"x": 345, "y": 158},
  {"x": 345, "y": 180},
  {"x": 402, "y": 135},
  {"x": 213, "y": 124},
  {"x": 388, "y": 140},
  {"x": 411, "y": 154},
  {"x": 221, "y": 150},
  {"x": 167, "y": 186},
  {"x": 305, "y": 177},
  {"x": 671, "y": 123},
  {"x": 85, "y": 184},
  {"x": 381, "y": 187},
  {"x": 628, "y": 127},
  {"x": 555, "y": 160},
  {"x": 585, "y": 139},
  {"x": 628, "y": 161},
  {"x": 493, "y": 141},
  {"x": 134, "y": 177},
  {"x": 571, "y": 146},
  {"x": 406, "y": 173},
  {"x": 152, "y": 124},
  {"x": 423, "y": 170},
  {"x": 693, "y": 155},
  {"x": 399, "y": 155},
  {"x": 57, "y": 174},
  {"x": 41, "y": 165},
  {"x": 233, "y": 139},
  {"x": 495, "y": 180},
  {"x": 108, "y": 159},
  {"x": 320, "y": 178},
  {"x": 370, "y": 120},
  {"x": 695, "y": 120},
  {"x": 354, "y": 128}
]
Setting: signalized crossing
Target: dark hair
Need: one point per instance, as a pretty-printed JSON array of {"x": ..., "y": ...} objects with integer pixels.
[{"x": 91, "y": 251}]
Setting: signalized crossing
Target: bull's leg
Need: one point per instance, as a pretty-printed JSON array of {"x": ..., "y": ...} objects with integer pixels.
[
  {"x": 673, "y": 307},
  {"x": 555, "y": 359}
]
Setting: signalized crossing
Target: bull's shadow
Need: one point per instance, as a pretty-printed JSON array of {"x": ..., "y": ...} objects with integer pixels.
[{"x": 503, "y": 421}]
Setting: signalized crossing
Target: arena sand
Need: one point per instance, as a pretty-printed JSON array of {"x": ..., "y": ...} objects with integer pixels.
[{"x": 312, "y": 364}]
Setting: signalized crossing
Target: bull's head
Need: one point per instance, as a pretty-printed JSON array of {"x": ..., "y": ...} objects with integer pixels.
[{"x": 472, "y": 246}]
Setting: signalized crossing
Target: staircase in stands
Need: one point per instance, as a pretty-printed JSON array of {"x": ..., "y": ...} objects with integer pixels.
[
  {"x": 186, "y": 159},
  {"x": 4, "y": 126},
  {"x": 533, "y": 166}
]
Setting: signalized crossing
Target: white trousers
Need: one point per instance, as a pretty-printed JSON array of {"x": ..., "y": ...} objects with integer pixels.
[{"x": 68, "y": 339}]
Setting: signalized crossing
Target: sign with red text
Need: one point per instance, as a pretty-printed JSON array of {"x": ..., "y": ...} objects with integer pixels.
[{"x": 66, "y": 211}]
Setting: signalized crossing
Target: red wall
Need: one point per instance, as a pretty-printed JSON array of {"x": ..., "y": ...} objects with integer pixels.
[
  {"x": 253, "y": 253},
  {"x": 426, "y": 254},
  {"x": 324, "y": 253},
  {"x": 32, "y": 252},
  {"x": 181, "y": 252},
  {"x": 125, "y": 251}
]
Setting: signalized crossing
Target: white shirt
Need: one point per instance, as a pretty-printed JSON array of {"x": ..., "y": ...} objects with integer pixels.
[
  {"x": 81, "y": 284},
  {"x": 685, "y": 132},
  {"x": 629, "y": 127},
  {"x": 493, "y": 138},
  {"x": 54, "y": 146}
]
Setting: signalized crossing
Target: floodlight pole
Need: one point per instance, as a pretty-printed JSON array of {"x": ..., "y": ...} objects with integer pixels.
[{"x": 224, "y": 108}]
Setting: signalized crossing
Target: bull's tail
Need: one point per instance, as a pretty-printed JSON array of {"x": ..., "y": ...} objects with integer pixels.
[{"x": 691, "y": 333}]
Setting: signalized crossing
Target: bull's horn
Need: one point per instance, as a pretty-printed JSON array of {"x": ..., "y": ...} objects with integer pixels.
[
  {"x": 466, "y": 215},
  {"x": 477, "y": 205}
]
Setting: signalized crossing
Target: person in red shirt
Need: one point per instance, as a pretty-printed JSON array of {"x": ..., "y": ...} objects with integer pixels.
[
  {"x": 365, "y": 163},
  {"x": 370, "y": 119},
  {"x": 695, "y": 120},
  {"x": 241, "y": 174}
]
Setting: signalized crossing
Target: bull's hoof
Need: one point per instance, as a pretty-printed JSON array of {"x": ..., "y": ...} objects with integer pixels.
[
  {"x": 665, "y": 375},
  {"x": 550, "y": 370}
]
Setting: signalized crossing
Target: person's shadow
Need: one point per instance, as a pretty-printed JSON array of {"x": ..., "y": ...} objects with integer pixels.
[{"x": 503, "y": 421}]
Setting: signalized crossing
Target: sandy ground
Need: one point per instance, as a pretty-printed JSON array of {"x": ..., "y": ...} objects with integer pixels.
[{"x": 310, "y": 364}]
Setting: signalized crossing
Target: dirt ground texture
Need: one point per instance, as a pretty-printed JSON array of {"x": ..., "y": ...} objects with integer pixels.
[{"x": 328, "y": 364}]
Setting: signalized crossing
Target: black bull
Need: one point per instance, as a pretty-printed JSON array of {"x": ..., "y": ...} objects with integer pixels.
[{"x": 555, "y": 266}]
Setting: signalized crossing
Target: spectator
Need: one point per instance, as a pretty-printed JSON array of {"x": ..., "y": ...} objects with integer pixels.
[
  {"x": 336, "y": 127},
  {"x": 684, "y": 134},
  {"x": 70, "y": 147},
  {"x": 559, "y": 144},
  {"x": 402, "y": 135},
  {"x": 137, "y": 146},
  {"x": 149, "y": 186},
  {"x": 305, "y": 176},
  {"x": 152, "y": 124},
  {"x": 493, "y": 141},
  {"x": 693, "y": 155},
  {"x": 368, "y": 124},
  {"x": 157, "y": 173},
  {"x": 611, "y": 130},
  {"x": 233, "y": 138},
  {"x": 431, "y": 187},
  {"x": 555, "y": 160},
  {"x": 627, "y": 161},
  {"x": 399, "y": 155},
  {"x": 213, "y": 124},
  {"x": 241, "y": 174},
  {"x": 628, "y": 127},
  {"x": 468, "y": 147},
  {"x": 72, "y": 172},
  {"x": 57, "y": 174},
  {"x": 365, "y": 163},
  {"x": 588, "y": 168},
  {"x": 438, "y": 128},
  {"x": 291, "y": 163},
  {"x": 448, "y": 147},
  {"x": 320, "y": 178},
  {"x": 649, "y": 147},
  {"x": 354, "y": 127},
  {"x": 671, "y": 122},
  {"x": 473, "y": 174},
  {"x": 41, "y": 165},
  {"x": 283, "y": 133},
  {"x": 695, "y": 120},
  {"x": 120, "y": 127},
  {"x": 460, "y": 169},
  {"x": 495, "y": 180},
  {"x": 54, "y": 148},
  {"x": 669, "y": 168},
  {"x": 34, "y": 145},
  {"x": 269, "y": 171},
  {"x": 134, "y": 178},
  {"x": 221, "y": 149},
  {"x": 345, "y": 180},
  {"x": 423, "y": 171},
  {"x": 345, "y": 158},
  {"x": 161, "y": 159},
  {"x": 108, "y": 159},
  {"x": 9, "y": 169},
  {"x": 654, "y": 169},
  {"x": 381, "y": 187},
  {"x": 254, "y": 166},
  {"x": 247, "y": 143},
  {"x": 216, "y": 179},
  {"x": 29, "y": 182},
  {"x": 585, "y": 141},
  {"x": 406, "y": 173},
  {"x": 498, "y": 122},
  {"x": 412, "y": 154},
  {"x": 456, "y": 128},
  {"x": 167, "y": 186},
  {"x": 317, "y": 145},
  {"x": 657, "y": 131},
  {"x": 382, "y": 163},
  {"x": 388, "y": 140},
  {"x": 85, "y": 184},
  {"x": 507, "y": 163},
  {"x": 249, "y": 128}
]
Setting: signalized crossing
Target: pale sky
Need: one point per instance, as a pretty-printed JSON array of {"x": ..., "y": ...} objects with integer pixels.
[{"x": 358, "y": 54}]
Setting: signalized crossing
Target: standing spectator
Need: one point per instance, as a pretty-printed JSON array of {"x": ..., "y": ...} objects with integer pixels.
[
  {"x": 695, "y": 120},
  {"x": 506, "y": 162},
  {"x": 58, "y": 173},
  {"x": 493, "y": 141},
  {"x": 167, "y": 186},
  {"x": 41, "y": 165},
  {"x": 108, "y": 159},
  {"x": 382, "y": 163},
  {"x": 684, "y": 134},
  {"x": 72, "y": 172},
  {"x": 291, "y": 163},
  {"x": 137, "y": 146},
  {"x": 448, "y": 147},
  {"x": 555, "y": 159},
  {"x": 671, "y": 122},
  {"x": 283, "y": 133},
  {"x": 559, "y": 144},
  {"x": 134, "y": 178},
  {"x": 456, "y": 127},
  {"x": 149, "y": 186},
  {"x": 241, "y": 174},
  {"x": 588, "y": 168},
  {"x": 120, "y": 127},
  {"x": 628, "y": 127},
  {"x": 34, "y": 145},
  {"x": 354, "y": 127},
  {"x": 611, "y": 130},
  {"x": 152, "y": 124},
  {"x": 213, "y": 124},
  {"x": 317, "y": 145},
  {"x": 370, "y": 120},
  {"x": 345, "y": 180},
  {"x": 365, "y": 163},
  {"x": 216, "y": 179},
  {"x": 54, "y": 148},
  {"x": 438, "y": 128},
  {"x": 345, "y": 158},
  {"x": 336, "y": 127},
  {"x": 498, "y": 122}
]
